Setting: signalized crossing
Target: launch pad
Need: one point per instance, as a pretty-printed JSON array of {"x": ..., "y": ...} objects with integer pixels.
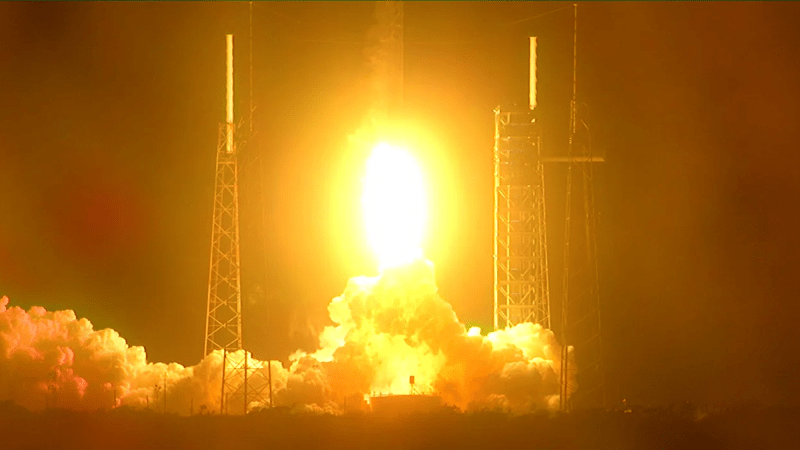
[
  {"x": 396, "y": 405},
  {"x": 521, "y": 276}
]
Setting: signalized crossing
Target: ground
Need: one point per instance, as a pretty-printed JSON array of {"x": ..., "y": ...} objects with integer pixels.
[{"x": 734, "y": 428}]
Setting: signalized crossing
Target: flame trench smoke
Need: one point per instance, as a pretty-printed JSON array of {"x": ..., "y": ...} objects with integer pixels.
[{"x": 387, "y": 328}]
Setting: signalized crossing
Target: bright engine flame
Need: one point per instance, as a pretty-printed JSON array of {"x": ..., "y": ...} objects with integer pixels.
[{"x": 394, "y": 204}]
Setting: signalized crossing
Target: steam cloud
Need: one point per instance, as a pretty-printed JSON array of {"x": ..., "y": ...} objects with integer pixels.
[{"x": 387, "y": 328}]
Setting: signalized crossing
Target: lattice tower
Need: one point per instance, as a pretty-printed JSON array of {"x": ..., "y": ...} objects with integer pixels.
[
  {"x": 244, "y": 381},
  {"x": 521, "y": 288}
]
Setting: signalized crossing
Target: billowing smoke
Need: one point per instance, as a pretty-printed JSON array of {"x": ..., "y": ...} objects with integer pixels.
[
  {"x": 387, "y": 328},
  {"x": 54, "y": 359},
  {"x": 395, "y": 326}
]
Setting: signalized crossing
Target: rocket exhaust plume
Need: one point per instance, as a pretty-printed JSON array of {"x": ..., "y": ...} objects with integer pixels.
[
  {"x": 394, "y": 206},
  {"x": 386, "y": 329}
]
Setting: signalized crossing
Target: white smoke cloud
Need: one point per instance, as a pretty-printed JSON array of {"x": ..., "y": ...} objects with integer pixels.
[
  {"x": 387, "y": 328},
  {"x": 55, "y": 359}
]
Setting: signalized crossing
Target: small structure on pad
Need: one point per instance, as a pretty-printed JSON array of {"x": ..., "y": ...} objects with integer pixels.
[{"x": 413, "y": 403}]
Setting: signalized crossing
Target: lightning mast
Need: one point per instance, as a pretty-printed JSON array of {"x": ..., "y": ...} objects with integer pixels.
[
  {"x": 580, "y": 304},
  {"x": 224, "y": 312},
  {"x": 521, "y": 287},
  {"x": 224, "y": 318}
]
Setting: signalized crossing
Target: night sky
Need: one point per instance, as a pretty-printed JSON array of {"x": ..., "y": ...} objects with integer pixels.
[{"x": 108, "y": 131}]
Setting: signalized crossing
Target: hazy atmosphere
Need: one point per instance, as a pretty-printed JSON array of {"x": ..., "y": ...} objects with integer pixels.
[{"x": 109, "y": 127}]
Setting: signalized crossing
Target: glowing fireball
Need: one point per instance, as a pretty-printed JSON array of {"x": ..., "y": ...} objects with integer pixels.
[{"x": 394, "y": 204}]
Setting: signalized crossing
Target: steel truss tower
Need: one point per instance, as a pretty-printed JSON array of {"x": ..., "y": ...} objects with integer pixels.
[
  {"x": 521, "y": 289},
  {"x": 243, "y": 379},
  {"x": 580, "y": 308},
  {"x": 581, "y": 324},
  {"x": 224, "y": 320}
]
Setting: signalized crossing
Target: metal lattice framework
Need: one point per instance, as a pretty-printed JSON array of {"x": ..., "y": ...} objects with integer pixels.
[
  {"x": 224, "y": 318},
  {"x": 580, "y": 306},
  {"x": 581, "y": 321},
  {"x": 521, "y": 288},
  {"x": 245, "y": 382}
]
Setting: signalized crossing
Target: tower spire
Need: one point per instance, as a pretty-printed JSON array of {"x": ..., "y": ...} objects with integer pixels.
[
  {"x": 243, "y": 380},
  {"x": 224, "y": 319}
]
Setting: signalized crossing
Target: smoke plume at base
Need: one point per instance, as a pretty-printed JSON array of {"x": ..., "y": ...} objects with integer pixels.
[{"x": 386, "y": 329}]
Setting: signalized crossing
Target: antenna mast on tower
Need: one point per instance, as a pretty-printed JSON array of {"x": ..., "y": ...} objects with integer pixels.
[
  {"x": 224, "y": 319},
  {"x": 243, "y": 380},
  {"x": 521, "y": 276},
  {"x": 521, "y": 286}
]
